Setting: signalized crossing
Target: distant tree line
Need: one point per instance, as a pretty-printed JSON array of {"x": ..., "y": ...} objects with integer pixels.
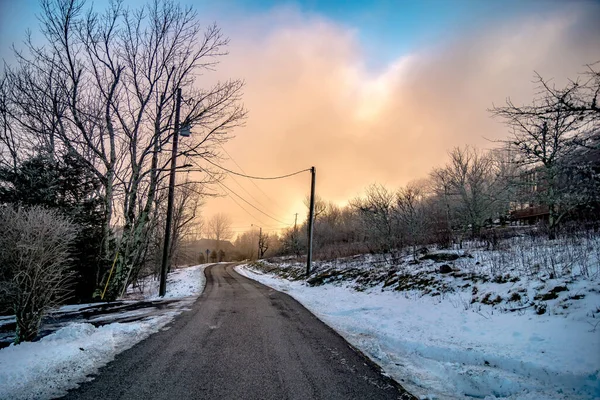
[{"x": 550, "y": 163}]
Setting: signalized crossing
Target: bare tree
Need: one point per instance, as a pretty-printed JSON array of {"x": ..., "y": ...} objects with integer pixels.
[
  {"x": 186, "y": 215},
  {"x": 218, "y": 228},
  {"x": 186, "y": 228},
  {"x": 412, "y": 213},
  {"x": 103, "y": 87},
  {"x": 547, "y": 138},
  {"x": 292, "y": 242},
  {"x": 377, "y": 211},
  {"x": 472, "y": 180},
  {"x": 320, "y": 206},
  {"x": 579, "y": 96},
  {"x": 245, "y": 245},
  {"x": 36, "y": 247},
  {"x": 9, "y": 144},
  {"x": 440, "y": 186},
  {"x": 263, "y": 243}
]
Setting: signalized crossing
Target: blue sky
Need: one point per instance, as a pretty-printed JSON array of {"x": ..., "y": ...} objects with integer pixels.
[
  {"x": 385, "y": 29},
  {"x": 388, "y": 29},
  {"x": 402, "y": 24},
  {"x": 354, "y": 86}
]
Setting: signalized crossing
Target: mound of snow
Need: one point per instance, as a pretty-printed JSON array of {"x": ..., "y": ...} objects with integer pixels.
[
  {"x": 47, "y": 368},
  {"x": 445, "y": 347}
]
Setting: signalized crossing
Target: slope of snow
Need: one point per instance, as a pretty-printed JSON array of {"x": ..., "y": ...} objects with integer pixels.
[
  {"x": 444, "y": 347},
  {"x": 60, "y": 361}
]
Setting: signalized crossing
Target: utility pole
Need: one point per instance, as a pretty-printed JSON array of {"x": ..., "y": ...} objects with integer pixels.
[
  {"x": 295, "y": 236},
  {"x": 311, "y": 216},
  {"x": 259, "y": 244},
  {"x": 259, "y": 238},
  {"x": 167, "y": 243}
]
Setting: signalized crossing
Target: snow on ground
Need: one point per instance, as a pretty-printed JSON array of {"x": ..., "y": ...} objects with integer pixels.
[
  {"x": 181, "y": 282},
  {"x": 443, "y": 346},
  {"x": 60, "y": 361}
]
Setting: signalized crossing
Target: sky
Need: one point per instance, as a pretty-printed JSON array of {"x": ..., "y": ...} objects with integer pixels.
[{"x": 368, "y": 92}]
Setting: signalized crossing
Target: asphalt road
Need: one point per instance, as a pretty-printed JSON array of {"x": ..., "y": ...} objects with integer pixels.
[{"x": 241, "y": 340}]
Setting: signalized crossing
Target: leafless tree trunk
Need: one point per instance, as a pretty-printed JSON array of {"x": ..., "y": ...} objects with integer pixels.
[
  {"x": 103, "y": 86},
  {"x": 188, "y": 202},
  {"x": 411, "y": 210},
  {"x": 472, "y": 178},
  {"x": 441, "y": 187},
  {"x": 263, "y": 244},
  {"x": 378, "y": 213}
]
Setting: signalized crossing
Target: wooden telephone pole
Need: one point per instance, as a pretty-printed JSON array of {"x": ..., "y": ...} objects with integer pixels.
[
  {"x": 311, "y": 217},
  {"x": 258, "y": 255},
  {"x": 165, "y": 258}
]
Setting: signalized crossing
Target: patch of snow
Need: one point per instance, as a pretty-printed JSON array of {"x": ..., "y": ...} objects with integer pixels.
[
  {"x": 76, "y": 307},
  {"x": 47, "y": 368},
  {"x": 181, "y": 282},
  {"x": 10, "y": 319},
  {"x": 444, "y": 347}
]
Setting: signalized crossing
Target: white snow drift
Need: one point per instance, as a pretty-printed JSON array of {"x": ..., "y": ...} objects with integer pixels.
[
  {"x": 444, "y": 347},
  {"x": 49, "y": 367}
]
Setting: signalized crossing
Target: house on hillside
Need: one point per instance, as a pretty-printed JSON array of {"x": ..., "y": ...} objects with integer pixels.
[{"x": 578, "y": 188}]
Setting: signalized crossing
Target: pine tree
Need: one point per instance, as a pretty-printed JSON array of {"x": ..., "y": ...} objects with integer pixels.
[{"x": 68, "y": 187}]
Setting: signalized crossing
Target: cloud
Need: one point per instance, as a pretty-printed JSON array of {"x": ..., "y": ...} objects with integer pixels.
[{"x": 313, "y": 101}]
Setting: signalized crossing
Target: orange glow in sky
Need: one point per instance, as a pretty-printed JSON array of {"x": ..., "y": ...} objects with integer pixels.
[{"x": 313, "y": 101}]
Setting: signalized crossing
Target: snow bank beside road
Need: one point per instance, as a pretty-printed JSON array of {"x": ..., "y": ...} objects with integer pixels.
[
  {"x": 437, "y": 348},
  {"x": 181, "y": 282},
  {"x": 58, "y": 362},
  {"x": 48, "y": 368}
]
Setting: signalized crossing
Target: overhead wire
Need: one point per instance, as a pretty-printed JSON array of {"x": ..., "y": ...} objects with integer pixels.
[
  {"x": 256, "y": 177},
  {"x": 251, "y": 181},
  {"x": 238, "y": 204},
  {"x": 249, "y": 177},
  {"x": 248, "y": 193},
  {"x": 246, "y": 201},
  {"x": 253, "y": 206}
]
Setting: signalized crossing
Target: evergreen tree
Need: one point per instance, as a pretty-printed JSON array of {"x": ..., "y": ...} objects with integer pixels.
[{"x": 68, "y": 187}]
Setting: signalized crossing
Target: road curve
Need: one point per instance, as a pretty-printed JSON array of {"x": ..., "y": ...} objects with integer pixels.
[{"x": 241, "y": 340}]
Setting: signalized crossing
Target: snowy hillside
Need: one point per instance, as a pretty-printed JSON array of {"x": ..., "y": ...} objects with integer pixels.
[{"x": 519, "y": 322}]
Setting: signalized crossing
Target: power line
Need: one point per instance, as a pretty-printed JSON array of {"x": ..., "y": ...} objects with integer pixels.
[
  {"x": 238, "y": 204},
  {"x": 268, "y": 227},
  {"x": 256, "y": 177},
  {"x": 251, "y": 181},
  {"x": 248, "y": 193},
  {"x": 242, "y": 229},
  {"x": 246, "y": 201},
  {"x": 253, "y": 206},
  {"x": 251, "y": 230}
]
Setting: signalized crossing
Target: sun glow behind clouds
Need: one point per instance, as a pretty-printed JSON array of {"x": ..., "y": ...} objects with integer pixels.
[
  {"x": 313, "y": 99},
  {"x": 346, "y": 96},
  {"x": 372, "y": 91}
]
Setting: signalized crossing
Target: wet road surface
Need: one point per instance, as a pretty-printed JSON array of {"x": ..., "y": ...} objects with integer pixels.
[{"x": 241, "y": 340}]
